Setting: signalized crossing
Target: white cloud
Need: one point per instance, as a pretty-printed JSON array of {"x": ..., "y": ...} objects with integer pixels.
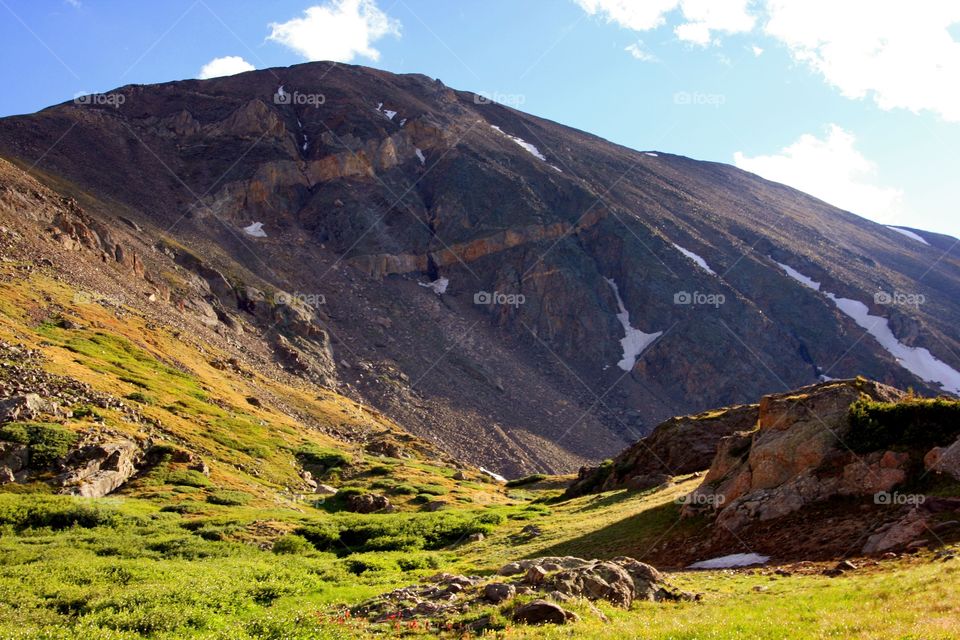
[
  {"x": 702, "y": 17},
  {"x": 225, "y": 66},
  {"x": 899, "y": 52},
  {"x": 339, "y": 30},
  {"x": 831, "y": 169},
  {"x": 639, "y": 16},
  {"x": 757, "y": 51},
  {"x": 637, "y": 51}
]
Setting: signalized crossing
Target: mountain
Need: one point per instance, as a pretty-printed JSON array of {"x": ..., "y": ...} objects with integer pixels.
[{"x": 525, "y": 296}]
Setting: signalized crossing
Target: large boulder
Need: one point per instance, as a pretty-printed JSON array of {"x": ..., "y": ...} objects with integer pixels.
[
  {"x": 368, "y": 503},
  {"x": 27, "y": 406},
  {"x": 14, "y": 457},
  {"x": 543, "y": 612},
  {"x": 945, "y": 460},
  {"x": 96, "y": 470}
]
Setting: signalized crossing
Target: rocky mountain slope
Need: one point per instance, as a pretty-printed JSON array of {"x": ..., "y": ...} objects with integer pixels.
[{"x": 579, "y": 292}]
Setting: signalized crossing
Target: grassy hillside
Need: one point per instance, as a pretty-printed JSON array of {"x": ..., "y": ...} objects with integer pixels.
[{"x": 248, "y": 552}]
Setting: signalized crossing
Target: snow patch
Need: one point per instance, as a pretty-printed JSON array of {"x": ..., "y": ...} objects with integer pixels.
[
  {"x": 495, "y": 476},
  {"x": 909, "y": 234},
  {"x": 420, "y": 157},
  {"x": 799, "y": 277},
  {"x": 697, "y": 259},
  {"x": 651, "y": 154},
  {"x": 916, "y": 360},
  {"x": 728, "y": 562},
  {"x": 386, "y": 112},
  {"x": 532, "y": 150},
  {"x": 256, "y": 229},
  {"x": 439, "y": 285},
  {"x": 635, "y": 341}
]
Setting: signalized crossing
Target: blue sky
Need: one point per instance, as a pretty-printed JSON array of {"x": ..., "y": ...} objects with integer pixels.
[{"x": 857, "y": 102}]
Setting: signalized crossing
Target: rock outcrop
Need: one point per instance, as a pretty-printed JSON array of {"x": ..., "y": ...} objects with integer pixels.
[
  {"x": 797, "y": 456},
  {"x": 97, "y": 469},
  {"x": 619, "y": 581},
  {"x": 678, "y": 446}
]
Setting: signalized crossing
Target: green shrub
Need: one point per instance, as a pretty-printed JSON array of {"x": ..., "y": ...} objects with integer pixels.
[
  {"x": 47, "y": 442},
  {"x": 431, "y": 489},
  {"x": 397, "y": 532},
  {"x": 185, "y": 507},
  {"x": 83, "y": 411},
  {"x": 380, "y": 470},
  {"x": 412, "y": 562},
  {"x": 56, "y": 512},
  {"x": 311, "y": 454},
  {"x": 188, "y": 478},
  {"x": 142, "y": 398},
  {"x": 322, "y": 535},
  {"x": 292, "y": 544},
  {"x": 405, "y": 542},
  {"x": 403, "y": 489},
  {"x": 229, "y": 498},
  {"x": 915, "y": 424},
  {"x": 531, "y": 479}
]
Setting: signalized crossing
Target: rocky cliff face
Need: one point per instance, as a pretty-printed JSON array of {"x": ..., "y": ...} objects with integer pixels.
[
  {"x": 808, "y": 450},
  {"x": 311, "y": 223}
]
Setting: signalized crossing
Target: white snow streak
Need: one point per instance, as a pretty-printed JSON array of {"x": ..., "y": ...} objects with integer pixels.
[
  {"x": 439, "y": 285},
  {"x": 916, "y": 360},
  {"x": 420, "y": 157},
  {"x": 635, "y": 341},
  {"x": 697, "y": 259},
  {"x": 532, "y": 150},
  {"x": 734, "y": 560},
  {"x": 799, "y": 277},
  {"x": 909, "y": 234},
  {"x": 255, "y": 230},
  {"x": 495, "y": 476}
]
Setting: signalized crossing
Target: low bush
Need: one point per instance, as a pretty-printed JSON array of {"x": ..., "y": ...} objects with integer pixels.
[
  {"x": 292, "y": 544},
  {"x": 55, "y": 512},
  {"x": 229, "y": 498},
  {"x": 311, "y": 454},
  {"x": 531, "y": 479},
  {"x": 188, "y": 478},
  {"x": 431, "y": 489},
  {"x": 47, "y": 442},
  {"x": 914, "y": 424}
]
